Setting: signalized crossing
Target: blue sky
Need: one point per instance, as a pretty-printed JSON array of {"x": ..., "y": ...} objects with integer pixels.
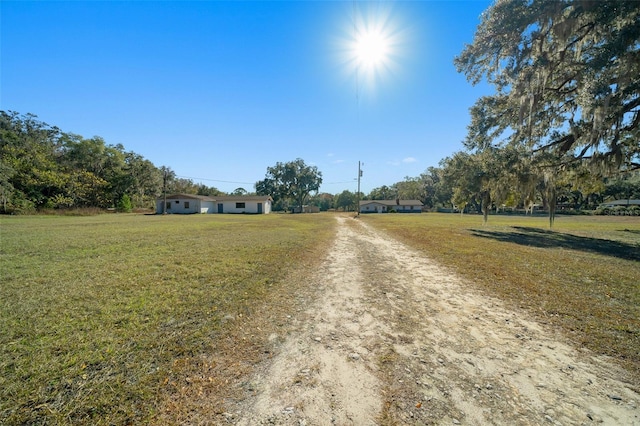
[{"x": 219, "y": 91}]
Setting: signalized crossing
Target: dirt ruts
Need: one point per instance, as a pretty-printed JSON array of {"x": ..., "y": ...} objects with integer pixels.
[{"x": 395, "y": 338}]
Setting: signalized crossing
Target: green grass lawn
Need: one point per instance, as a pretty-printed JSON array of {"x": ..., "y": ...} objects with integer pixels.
[
  {"x": 116, "y": 319},
  {"x": 583, "y": 275}
]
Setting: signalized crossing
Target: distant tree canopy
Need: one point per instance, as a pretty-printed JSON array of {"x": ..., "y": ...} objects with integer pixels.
[
  {"x": 43, "y": 167},
  {"x": 567, "y": 79},
  {"x": 324, "y": 201},
  {"x": 290, "y": 182},
  {"x": 188, "y": 186},
  {"x": 420, "y": 188},
  {"x": 239, "y": 191},
  {"x": 346, "y": 201},
  {"x": 383, "y": 192}
]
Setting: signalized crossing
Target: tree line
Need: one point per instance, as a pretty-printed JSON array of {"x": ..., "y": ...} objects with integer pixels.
[
  {"x": 562, "y": 128},
  {"x": 454, "y": 186},
  {"x": 42, "y": 167}
]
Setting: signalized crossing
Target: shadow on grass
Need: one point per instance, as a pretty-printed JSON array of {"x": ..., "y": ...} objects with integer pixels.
[{"x": 543, "y": 238}]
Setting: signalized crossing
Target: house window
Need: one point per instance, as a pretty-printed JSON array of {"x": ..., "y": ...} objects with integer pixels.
[
  {"x": 186, "y": 204},
  {"x": 239, "y": 205},
  {"x": 169, "y": 205}
]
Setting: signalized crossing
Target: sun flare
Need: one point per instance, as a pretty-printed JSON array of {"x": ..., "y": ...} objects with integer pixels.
[
  {"x": 373, "y": 43},
  {"x": 371, "y": 49}
]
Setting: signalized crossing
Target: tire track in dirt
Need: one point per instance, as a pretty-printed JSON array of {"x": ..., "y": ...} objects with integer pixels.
[{"x": 397, "y": 339}]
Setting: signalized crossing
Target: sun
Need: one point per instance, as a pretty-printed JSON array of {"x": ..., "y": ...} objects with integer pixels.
[
  {"x": 372, "y": 43},
  {"x": 371, "y": 49}
]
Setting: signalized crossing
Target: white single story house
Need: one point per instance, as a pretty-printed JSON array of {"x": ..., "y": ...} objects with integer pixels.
[
  {"x": 624, "y": 203},
  {"x": 189, "y": 203},
  {"x": 385, "y": 206}
]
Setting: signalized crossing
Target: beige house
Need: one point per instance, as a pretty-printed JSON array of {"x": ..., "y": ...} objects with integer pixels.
[
  {"x": 190, "y": 204},
  {"x": 386, "y": 206}
]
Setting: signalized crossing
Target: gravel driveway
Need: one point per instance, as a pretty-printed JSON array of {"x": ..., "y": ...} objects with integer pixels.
[{"x": 395, "y": 338}]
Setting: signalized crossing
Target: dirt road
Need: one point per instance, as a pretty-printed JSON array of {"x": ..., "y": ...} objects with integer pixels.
[{"x": 397, "y": 339}]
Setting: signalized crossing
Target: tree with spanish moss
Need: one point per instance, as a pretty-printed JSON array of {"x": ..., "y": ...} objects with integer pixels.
[{"x": 567, "y": 81}]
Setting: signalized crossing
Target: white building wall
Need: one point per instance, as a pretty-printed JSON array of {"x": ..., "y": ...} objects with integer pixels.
[
  {"x": 178, "y": 206},
  {"x": 382, "y": 208},
  {"x": 207, "y": 207},
  {"x": 183, "y": 206},
  {"x": 232, "y": 207},
  {"x": 373, "y": 208}
]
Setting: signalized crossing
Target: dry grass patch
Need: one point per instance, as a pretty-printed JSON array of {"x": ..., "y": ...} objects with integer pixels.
[
  {"x": 117, "y": 319},
  {"x": 581, "y": 276}
]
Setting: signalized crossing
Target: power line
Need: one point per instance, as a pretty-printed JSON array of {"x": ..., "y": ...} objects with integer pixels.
[
  {"x": 215, "y": 180},
  {"x": 252, "y": 183},
  {"x": 336, "y": 183}
]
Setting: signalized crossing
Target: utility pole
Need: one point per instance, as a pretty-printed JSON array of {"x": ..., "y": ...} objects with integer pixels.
[
  {"x": 358, "y": 193},
  {"x": 164, "y": 189}
]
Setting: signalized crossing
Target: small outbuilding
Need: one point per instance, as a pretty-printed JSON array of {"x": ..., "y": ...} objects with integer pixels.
[
  {"x": 190, "y": 204},
  {"x": 305, "y": 209},
  {"x": 387, "y": 206}
]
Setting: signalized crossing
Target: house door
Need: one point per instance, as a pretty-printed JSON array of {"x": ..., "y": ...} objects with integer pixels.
[
  {"x": 259, "y": 208},
  {"x": 220, "y": 209}
]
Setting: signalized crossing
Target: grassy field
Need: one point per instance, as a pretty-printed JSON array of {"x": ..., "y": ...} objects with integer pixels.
[
  {"x": 582, "y": 276},
  {"x": 122, "y": 319}
]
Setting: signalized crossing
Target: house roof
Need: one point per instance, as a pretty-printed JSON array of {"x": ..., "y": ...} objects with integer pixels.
[
  {"x": 242, "y": 198},
  {"x": 220, "y": 198},
  {"x": 187, "y": 197},
  {"x": 392, "y": 202},
  {"x": 622, "y": 203}
]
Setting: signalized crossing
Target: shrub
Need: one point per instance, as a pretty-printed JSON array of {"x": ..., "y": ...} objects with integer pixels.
[
  {"x": 619, "y": 210},
  {"x": 124, "y": 205},
  {"x": 21, "y": 206}
]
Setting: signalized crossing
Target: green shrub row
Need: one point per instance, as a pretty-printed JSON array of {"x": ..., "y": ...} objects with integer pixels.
[{"x": 618, "y": 211}]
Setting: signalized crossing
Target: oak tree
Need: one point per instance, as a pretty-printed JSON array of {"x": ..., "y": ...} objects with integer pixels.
[
  {"x": 566, "y": 76},
  {"x": 292, "y": 181}
]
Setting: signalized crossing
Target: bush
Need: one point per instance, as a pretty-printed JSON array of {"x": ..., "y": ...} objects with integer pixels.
[
  {"x": 619, "y": 210},
  {"x": 124, "y": 205},
  {"x": 59, "y": 201},
  {"x": 21, "y": 206}
]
